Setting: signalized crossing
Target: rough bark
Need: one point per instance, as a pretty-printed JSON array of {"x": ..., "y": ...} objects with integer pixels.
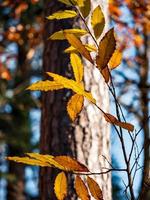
[
  {"x": 89, "y": 138},
  {"x": 92, "y": 134}
]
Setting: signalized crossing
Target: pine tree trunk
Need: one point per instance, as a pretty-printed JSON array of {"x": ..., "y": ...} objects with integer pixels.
[{"x": 89, "y": 138}]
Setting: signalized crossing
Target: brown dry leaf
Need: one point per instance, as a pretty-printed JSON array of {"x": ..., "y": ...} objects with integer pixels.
[
  {"x": 60, "y": 186},
  {"x": 113, "y": 120},
  {"x": 71, "y": 164},
  {"x": 105, "y": 73},
  {"x": 94, "y": 188},
  {"x": 75, "y": 105},
  {"x": 106, "y": 48},
  {"x": 81, "y": 189},
  {"x": 76, "y": 43},
  {"x": 115, "y": 60}
]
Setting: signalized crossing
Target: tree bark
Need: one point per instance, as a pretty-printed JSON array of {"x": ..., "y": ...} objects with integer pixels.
[{"x": 88, "y": 139}]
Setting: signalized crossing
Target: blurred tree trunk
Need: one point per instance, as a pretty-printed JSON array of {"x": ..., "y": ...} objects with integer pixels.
[
  {"x": 19, "y": 136},
  {"x": 88, "y": 139},
  {"x": 143, "y": 86}
]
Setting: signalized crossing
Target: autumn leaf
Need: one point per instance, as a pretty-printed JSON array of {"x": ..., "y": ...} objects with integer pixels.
[
  {"x": 28, "y": 161},
  {"x": 76, "y": 43},
  {"x": 97, "y": 21},
  {"x": 115, "y": 59},
  {"x": 81, "y": 189},
  {"x": 77, "y": 67},
  {"x": 85, "y": 7},
  {"x": 70, "y": 164},
  {"x": 89, "y": 47},
  {"x": 45, "y": 86},
  {"x": 59, "y": 35},
  {"x": 73, "y": 85},
  {"x": 75, "y": 105},
  {"x": 62, "y": 15},
  {"x": 94, "y": 188},
  {"x": 46, "y": 159},
  {"x": 60, "y": 186},
  {"x": 105, "y": 74},
  {"x": 113, "y": 120},
  {"x": 106, "y": 48}
]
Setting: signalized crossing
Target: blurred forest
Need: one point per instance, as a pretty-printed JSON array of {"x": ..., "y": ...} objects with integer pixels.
[{"x": 22, "y": 27}]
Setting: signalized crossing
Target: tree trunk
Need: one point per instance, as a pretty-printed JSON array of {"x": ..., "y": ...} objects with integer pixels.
[
  {"x": 145, "y": 189},
  {"x": 88, "y": 139}
]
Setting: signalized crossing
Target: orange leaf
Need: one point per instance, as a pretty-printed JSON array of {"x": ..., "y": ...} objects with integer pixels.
[
  {"x": 115, "y": 59},
  {"x": 105, "y": 50},
  {"x": 70, "y": 164},
  {"x": 94, "y": 188},
  {"x": 75, "y": 105},
  {"x": 60, "y": 186},
  {"x": 81, "y": 189},
  {"x": 113, "y": 120},
  {"x": 76, "y": 43},
  {"x": 105, "y": 73}
]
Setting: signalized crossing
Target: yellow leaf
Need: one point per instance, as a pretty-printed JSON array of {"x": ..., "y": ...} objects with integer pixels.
[
  {"x": 105, "y": 73},
  {"x": 62, "y": 14},
  {"x": 77, "y": 66},
  {"x": 94, "y": 188},
  {"x": 89, "y": 47},
  {"x": 76, "y": 43},
  {"x": 106, "y": 48},
  {"x": 113, "y": 120},
  {"x": 71, "y": 164},
  {"x": 115, "y": 59},
  {"x": 81, "y": 189},
  {"x": 73, "y": 85},
  {"x": 49, "y": 159},
  {"x": 29, "y": 161},
  {"x": 75, "y": 105},
  {"x": 60, "y": 186},
  {"x": 45, "y": 86},
  {"x": 60, "y": 34},
  {"x": 97, "y": 21},
  {"x": 85, "y": 7}
]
